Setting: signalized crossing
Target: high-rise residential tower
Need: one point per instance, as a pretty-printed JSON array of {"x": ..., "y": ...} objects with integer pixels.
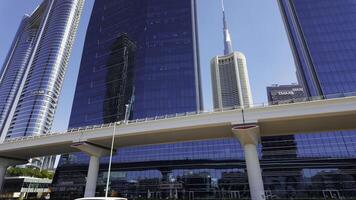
[
  {"x": 230, "y": 81},
  {"x": 33, "y": 72}
]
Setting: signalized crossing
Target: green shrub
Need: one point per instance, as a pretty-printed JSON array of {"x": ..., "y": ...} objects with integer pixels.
[{"x": 17, "y": 171}]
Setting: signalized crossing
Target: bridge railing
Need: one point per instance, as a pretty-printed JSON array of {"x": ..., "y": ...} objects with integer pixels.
[{"x": 185, "y": 114}]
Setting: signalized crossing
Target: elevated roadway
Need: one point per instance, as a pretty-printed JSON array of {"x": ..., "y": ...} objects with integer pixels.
[
  {"x": 285, "y": 119},
  {"x": 245, "y": 124}
]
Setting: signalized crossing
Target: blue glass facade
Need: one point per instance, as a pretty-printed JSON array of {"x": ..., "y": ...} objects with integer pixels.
[
  {"x": 167, "y": 81},
  {"x": 166, "y": 62},
  {"x": 307, "y": 166},
  {"x": 33, "y": 72},
  {"x": 323, "y": 39}
]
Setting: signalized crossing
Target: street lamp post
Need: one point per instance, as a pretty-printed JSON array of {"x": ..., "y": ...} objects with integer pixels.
[
  {"x": 110, "y": 160},
  {"x": 112, "y": 148}
]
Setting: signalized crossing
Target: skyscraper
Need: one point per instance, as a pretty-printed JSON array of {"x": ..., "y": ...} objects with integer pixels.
[
  {"x": 157, "y": 41},
  {"x": 140, "y": 53},
  {"x": 33, "y": 72},
  {"x": 323, "y": 41},
  {"x": 230, "y": 81},
  {"x": 322, "y": 38}
]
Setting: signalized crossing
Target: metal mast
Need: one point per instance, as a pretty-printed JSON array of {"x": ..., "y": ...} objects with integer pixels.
[{"x": 227, "y": 38}]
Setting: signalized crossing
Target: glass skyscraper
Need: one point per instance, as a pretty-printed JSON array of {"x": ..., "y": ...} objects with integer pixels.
[
  {"x": 159, "y": 43},
  {"x": 154, "y": 70},
  {"x": 323, "y": 40},
  {"x": 165, "y": 59},
  {"x": 33, "y": 72}
]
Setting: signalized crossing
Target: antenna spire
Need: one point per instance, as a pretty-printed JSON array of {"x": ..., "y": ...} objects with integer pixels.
[{"x": 227, "y": 38}]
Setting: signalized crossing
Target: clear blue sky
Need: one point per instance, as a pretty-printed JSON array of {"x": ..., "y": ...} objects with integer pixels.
[{"x": 256, "y": 29}]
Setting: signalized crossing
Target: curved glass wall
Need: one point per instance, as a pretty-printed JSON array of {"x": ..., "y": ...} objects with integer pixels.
[
  {"x": 14, "y": 69},
  {"x": 42, "y": 54}
]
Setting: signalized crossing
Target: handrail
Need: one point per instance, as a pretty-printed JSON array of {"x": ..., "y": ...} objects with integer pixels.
[{"x": 184, "y": 114}]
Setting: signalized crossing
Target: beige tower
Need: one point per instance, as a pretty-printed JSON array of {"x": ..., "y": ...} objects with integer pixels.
[{"x": 230, "y": 82}]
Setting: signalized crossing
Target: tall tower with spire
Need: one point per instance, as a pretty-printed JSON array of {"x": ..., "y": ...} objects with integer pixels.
[
  {"x": 227, "y": 38},
  {"x": 230, "y": 81}
]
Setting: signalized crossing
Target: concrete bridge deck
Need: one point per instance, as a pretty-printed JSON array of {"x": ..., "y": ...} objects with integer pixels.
[{"x": 285, "y": 119}]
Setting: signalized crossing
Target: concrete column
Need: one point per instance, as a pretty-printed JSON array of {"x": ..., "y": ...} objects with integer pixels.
[
  {"x": 95, "y": 152},
  {"x": 4, "y": 164},
  {"x": 92, "y": 176},
  {"x": 249, "y": 137}
]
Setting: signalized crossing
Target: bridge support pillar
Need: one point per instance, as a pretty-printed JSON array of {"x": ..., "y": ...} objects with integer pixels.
[
  {"x": 249, "y": 137},
  {"x": 95, "y": 152},
  {"x": 4, "y": 164},
  {"x": 92, "y": 176}
]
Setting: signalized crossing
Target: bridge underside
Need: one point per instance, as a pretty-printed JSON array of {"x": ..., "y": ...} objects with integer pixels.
[
  {"x": 305, "y": 117},
  {"x": 308, "y": 124},
  {"x": 171, "y": 136},
  {"x": 247, "y": 126},
  {"x": 270, "y": 127}
]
